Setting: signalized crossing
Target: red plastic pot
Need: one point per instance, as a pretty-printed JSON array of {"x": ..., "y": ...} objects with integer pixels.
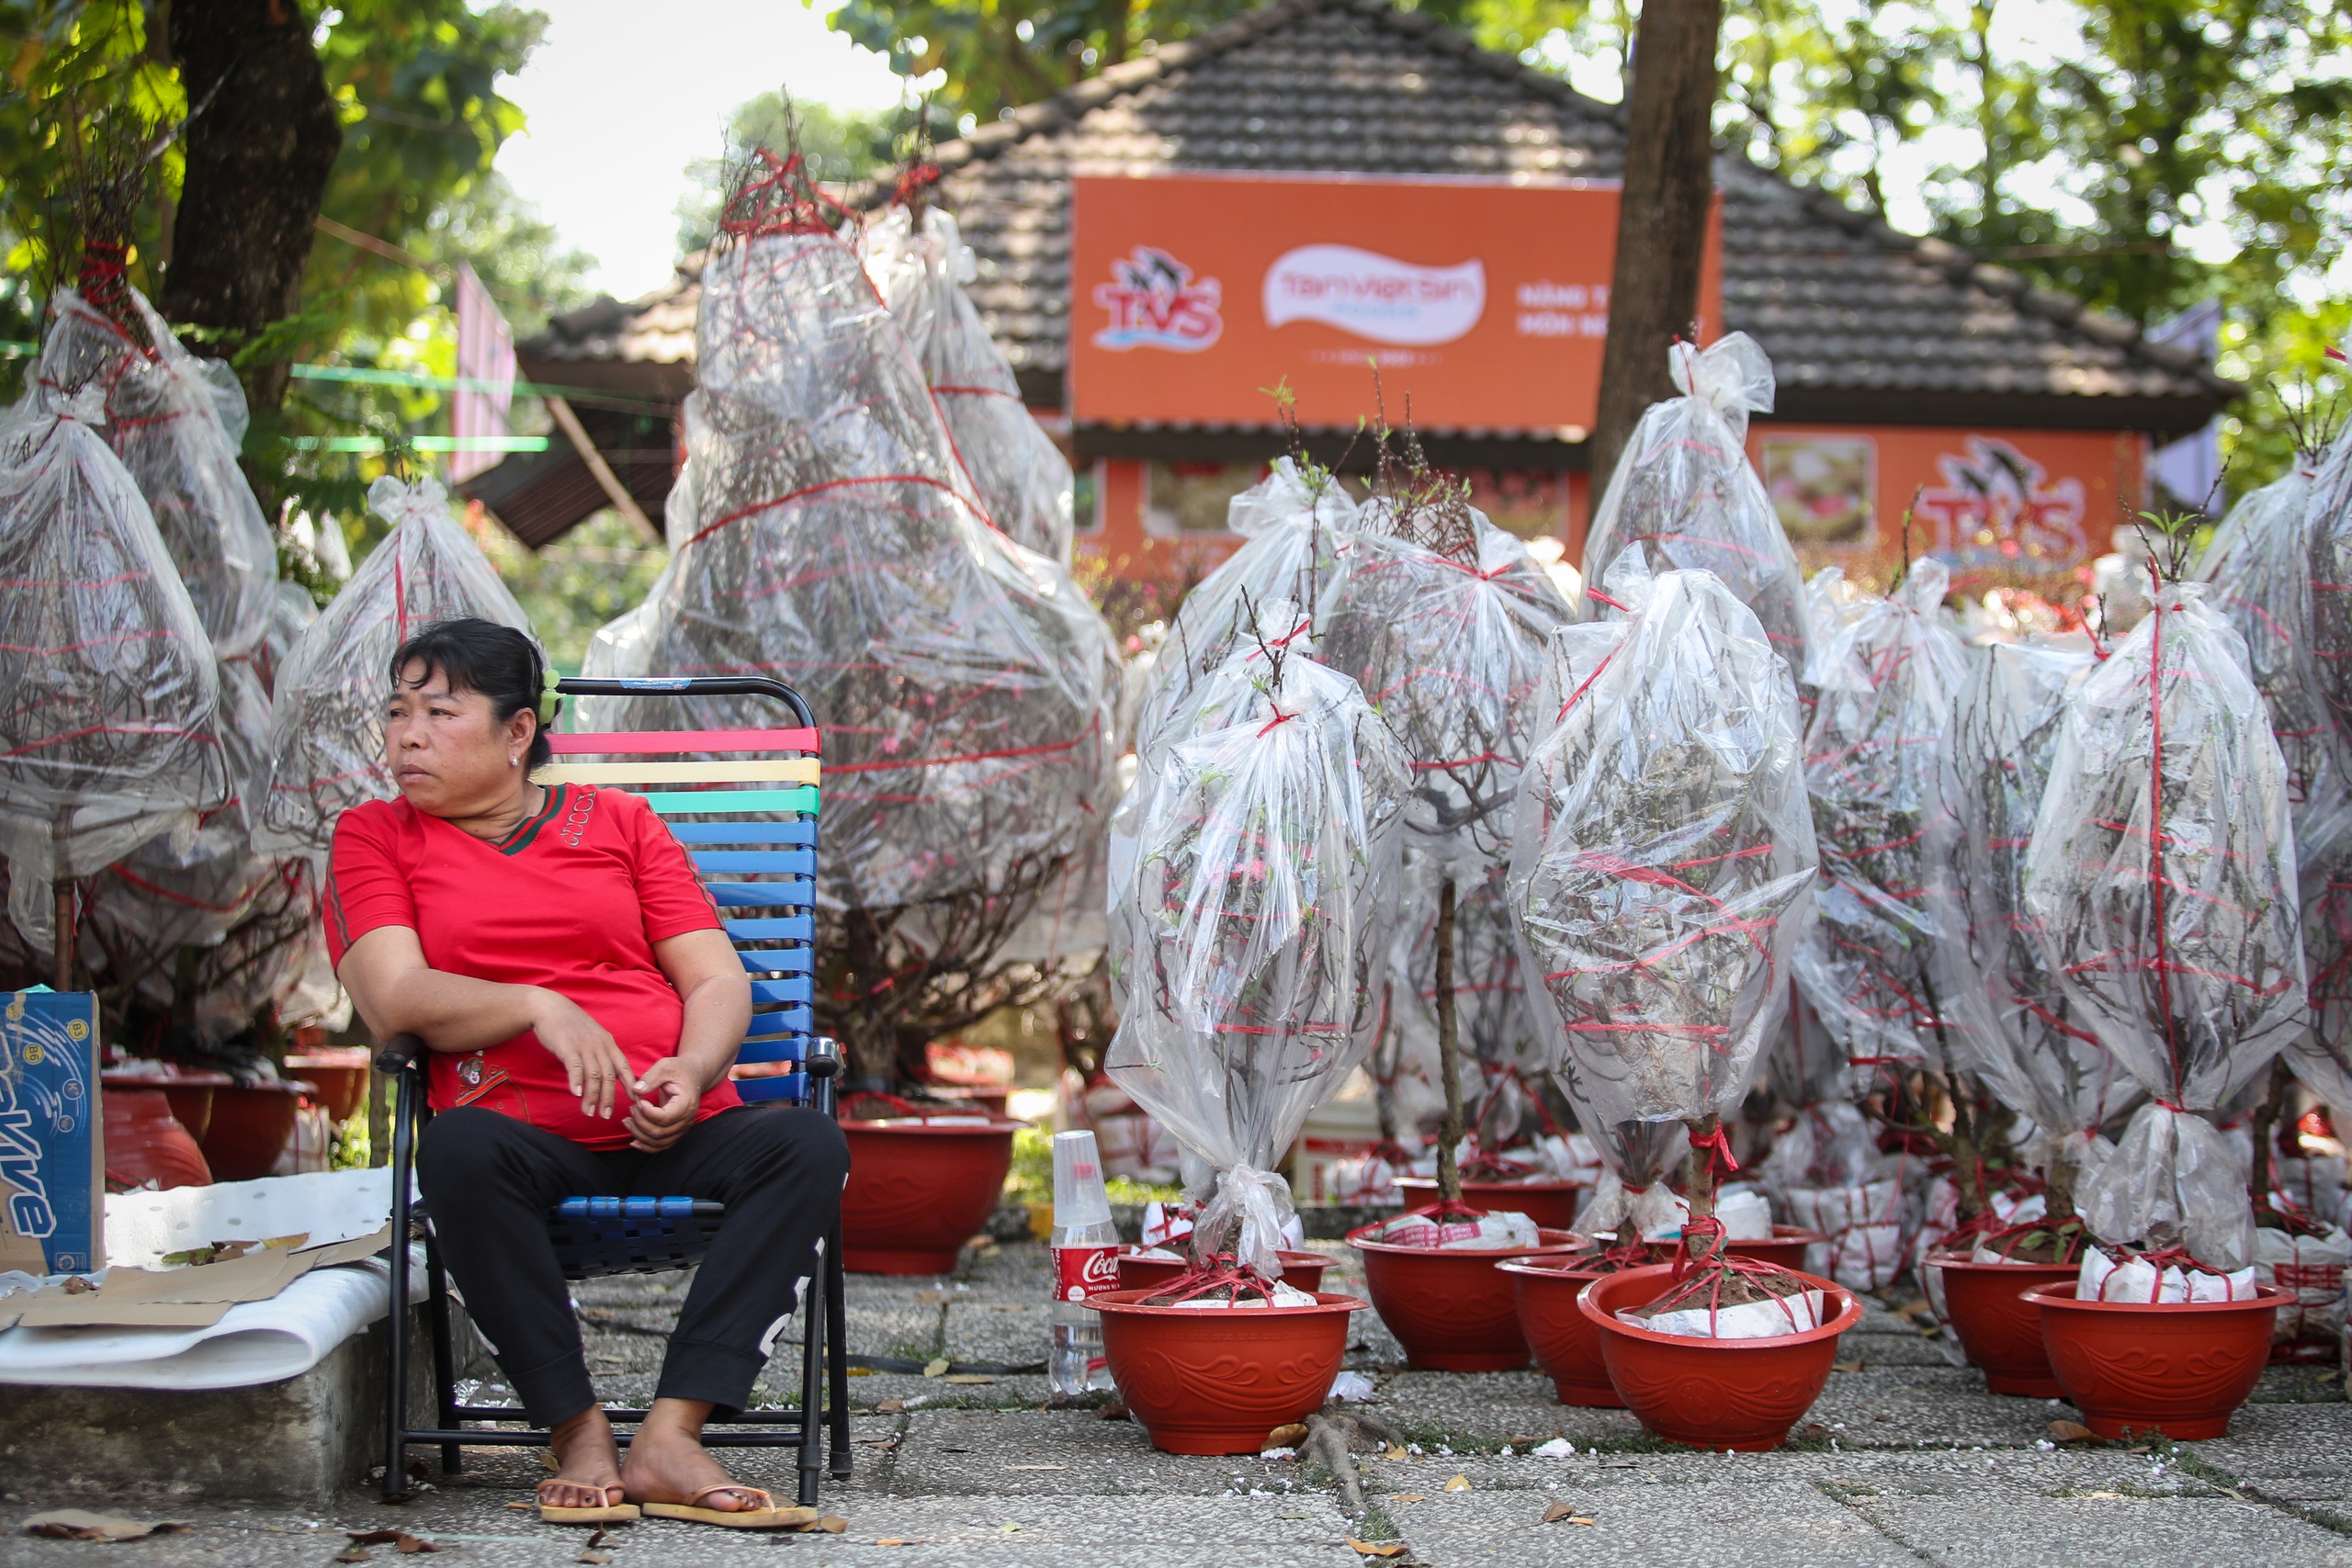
[
  {"x": 252, "y": 1124},
  {"x": 918, "y": 1191},
  {"x": 1552, "y": 1205},
  {"x": 1301, "y": 1270},
  {"x": 1215, "y": 1381},
  {"x": 1566, "y": 1345},
  {"x": 1786, "y": 1247},
  {"x": 341, "y": 1075},
  {"x": 1997, "y": 1327},
  {"x": 1713, "y": 1393},
  {"x": 146, "y": 1143},
  {"x": 1451, "y": 1308},
  {"x": 2133, "y": 1367}
]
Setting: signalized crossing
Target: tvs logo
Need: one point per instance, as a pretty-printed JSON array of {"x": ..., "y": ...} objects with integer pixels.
[
  {"x": 1157, "y": 303},
  {"x": 1998, "y": 508}
]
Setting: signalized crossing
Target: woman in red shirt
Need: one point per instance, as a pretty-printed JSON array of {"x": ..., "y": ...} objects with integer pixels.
[{"x": 555, "y": 949}]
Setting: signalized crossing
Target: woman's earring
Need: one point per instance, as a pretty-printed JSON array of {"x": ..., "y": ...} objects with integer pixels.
[{"x": 515, "y": 761}]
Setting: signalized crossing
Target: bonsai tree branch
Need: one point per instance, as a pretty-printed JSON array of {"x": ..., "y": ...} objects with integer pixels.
[
  {"x": 2266, "y": 1122},
  {"x": 1449, "y": 1050}
]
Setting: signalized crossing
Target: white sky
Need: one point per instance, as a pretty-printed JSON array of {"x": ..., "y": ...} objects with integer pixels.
[{"x": 622, "y": 96}]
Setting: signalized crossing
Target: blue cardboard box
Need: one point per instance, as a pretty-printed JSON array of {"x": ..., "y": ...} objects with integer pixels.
[{"x": 52, "y": 1155}]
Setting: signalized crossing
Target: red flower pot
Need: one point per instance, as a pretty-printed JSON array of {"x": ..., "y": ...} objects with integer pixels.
[
  {"x": 1552, "y": 1205},
  {"x": 917, "y": 1191},
  {"x": 252, "y": 1124},
  {"x": 1450, "y": 1307},
  {"x": 1713, "y": 1393},
  {"x": 146, "y": 1143},
  {"x": 1786, "y": 1247},
  {"x": 1997, "y": 1327},
  {"x": 1215, "y": 1381},
  {"x": 1301, "y": 1270},
  {"x": 1566, "y": 1345},
  {"x": 2136, "y": 1367},
  {"x": 341, "y": 1077}
]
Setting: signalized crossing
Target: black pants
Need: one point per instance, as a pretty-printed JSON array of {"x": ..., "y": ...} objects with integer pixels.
[{"x": 490, "y": 1179}]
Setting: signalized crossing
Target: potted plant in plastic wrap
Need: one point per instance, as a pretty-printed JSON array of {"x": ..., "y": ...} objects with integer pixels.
[
  {"x": 1887, "y": 672},
  {"x": 2025, "y": 1036},
  {"x": 1444, "y": 621},
  {"x": 1247, "y": 882},
  {"x": 826, "y": 533},
  {"x": 2160, "y": 883},
  {"x": 1661, "y": 870}
]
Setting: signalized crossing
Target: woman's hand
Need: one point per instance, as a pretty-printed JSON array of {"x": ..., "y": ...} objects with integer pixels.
[
  {"x": 592, "y": 1060},
  {"x": 667, "y": 1098}
]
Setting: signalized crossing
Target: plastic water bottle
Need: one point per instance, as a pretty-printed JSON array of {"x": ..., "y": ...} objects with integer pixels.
[{"x": 1086, "y": 1250}]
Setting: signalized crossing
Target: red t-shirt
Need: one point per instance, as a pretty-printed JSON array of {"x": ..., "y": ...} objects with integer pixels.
[{"x": 573, "y": 900}]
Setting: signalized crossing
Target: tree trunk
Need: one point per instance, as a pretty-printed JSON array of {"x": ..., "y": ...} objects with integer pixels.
[
  {"x": 1699, "y": 1169},
  {"x": 2266, "y": 1122},
  {"x": 1449, "y": 1051},
  {"x": 1661, "y": 217},
  {"x": 260, "y": 144}
]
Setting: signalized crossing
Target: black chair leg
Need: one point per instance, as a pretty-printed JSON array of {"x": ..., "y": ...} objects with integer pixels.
[
  {"x": 837, "y": 1352},
  {"x": 445, "y": 1376},
  {"x": 396, "y": 1383},
  {"x": 812, "y": 1387}
]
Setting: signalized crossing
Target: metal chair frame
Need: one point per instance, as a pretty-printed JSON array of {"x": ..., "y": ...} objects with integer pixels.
[{"x": 678, "y": 1229}]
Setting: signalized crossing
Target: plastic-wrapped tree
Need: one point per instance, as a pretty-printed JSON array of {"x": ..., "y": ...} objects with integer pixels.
[
  {"x": 2160, "y": 883},
  {"x": 824, "y": 534},
  {"x": 326, "y": 731},
  {"x": 1685, "y": 495},
  {"x": 2016, "y": 1027},
  {"x": 921, "y": 264},
  {"x": 1633, "y": 1200},
  {"x": 107, "y": 685},
  {"x": 1444, "y": 621},
  {"x": 1247, "y": 923},
  {"x": 1663, "y": 864},
  {"x": 1492, "y": 1023}
]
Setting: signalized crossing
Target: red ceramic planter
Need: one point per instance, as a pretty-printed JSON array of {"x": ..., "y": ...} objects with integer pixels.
[
  {"x": 1997, "y": 1327},
  {"x": 252, "y": 1124},
  {"x": 1452, "y": 1309},
  {"x": 918, "y": 1191},
  {"x": 341, "y": 1075},
  {"x": 2130, "y": 1367},
  {"x": 1566, "y": 1345},
  {"x": 1713, "y": 1393},
  {"x": 1551, "y": 1204},
  {"x": 1212, "y": 1381},
  {"x": 146, "y": 1143},
  {"x": 1301, "y": 1272},
  {"x": 1786, "y": 1247}
]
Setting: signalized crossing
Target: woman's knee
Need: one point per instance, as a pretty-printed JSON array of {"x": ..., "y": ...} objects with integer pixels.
[
  {"x": 464, "y": 1148},
  {"x": 807, "y": 1144}
]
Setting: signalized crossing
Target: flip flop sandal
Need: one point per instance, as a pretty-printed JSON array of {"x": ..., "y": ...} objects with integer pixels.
[
  {"x": 610, "y": 1514},
  {"x": 766, "y": 1517}
]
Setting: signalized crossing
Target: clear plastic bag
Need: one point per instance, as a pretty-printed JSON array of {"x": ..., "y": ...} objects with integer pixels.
[
  {"x": 1636, "y": 1161},
  {"x": 176, "y": 422},
  {"x": 825, "y": 535},
  {"x": 2186, "y": 961},
  {"x": 1452, "y": 650},
  {"x": 1495, "y": 1029},
  {"x": 109, "y": 689},
  {"x": 1663, "y": 864},
  {"x": 2016, "y": 1027},
  {"x": 1686, "y": 495},
  {"x": 1886, "y": 673},
  {"x": 326, "y": 732},
  {"x": 2258, "y": 566},
  {"x": 1246, "y": 929},
  {"x": 1299, "y": 528},
  {"x": 1022, "y": 478}
]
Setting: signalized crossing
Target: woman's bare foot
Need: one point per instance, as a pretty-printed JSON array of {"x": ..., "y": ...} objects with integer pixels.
[
  {"x": 667, "y": 1462},
  {"x": 588, "y": 1463}
]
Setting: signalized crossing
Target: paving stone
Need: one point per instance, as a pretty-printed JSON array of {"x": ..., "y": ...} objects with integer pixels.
[
  {"x": 1057, "y": 1452},
  {"x": 2097, "y": 1529},
  {"x": 1757, "y": 1523}
]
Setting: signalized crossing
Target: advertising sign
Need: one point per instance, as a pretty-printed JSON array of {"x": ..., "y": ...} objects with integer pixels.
[
  {"x": 1484, "y": 302},
  {"x": 52, "y": 1151}
]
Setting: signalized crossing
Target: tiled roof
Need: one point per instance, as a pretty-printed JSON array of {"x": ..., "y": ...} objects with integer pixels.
[{"x": 1863, "y": 323}]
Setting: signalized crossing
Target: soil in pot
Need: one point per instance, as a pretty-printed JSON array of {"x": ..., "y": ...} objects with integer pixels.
[
  {"x": 1550, "y": 1202},
  {"x": 1450, "y": 1307},
  {"x": 144, "y": 1141},
  {"x": 2180, "y": 1368},
  {"x": 919, "y": 1190},
  {"x": 1713, "y": 1393},
  {"x": 1216, "y": 1379},
  {"x": 1301, "y": 1270},
  {"x": 1985, "y": 1305}
]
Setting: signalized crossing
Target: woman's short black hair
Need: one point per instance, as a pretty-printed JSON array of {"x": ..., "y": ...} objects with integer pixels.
[{"x": 498, "y": 662}]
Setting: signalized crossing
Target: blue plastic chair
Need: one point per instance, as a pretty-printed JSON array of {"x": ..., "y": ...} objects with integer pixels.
[{"x": 755, "y": 808}]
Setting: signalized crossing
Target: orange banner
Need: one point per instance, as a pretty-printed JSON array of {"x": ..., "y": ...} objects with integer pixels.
[{"x": 1483, "y": 301}]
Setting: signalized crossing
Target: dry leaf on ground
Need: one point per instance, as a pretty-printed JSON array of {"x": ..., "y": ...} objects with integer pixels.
[
  {"x": 399, "y": 1541},
  {"x": 594, "y": 1558},
  {"x": 1286, "y": 1436},
  {"x": 1853, "y": 1366},
  {"x": 965, "y": 1377},
  {"x": 1459, "y": 1484},
  {"x": 77, "y": 1524},
  {"x": 2071, "y": 1431},
  {"x": 829, "y": 1524},
  {"x": 936, "y": 1367},
  {"x": 1378, "y": 1548}
]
